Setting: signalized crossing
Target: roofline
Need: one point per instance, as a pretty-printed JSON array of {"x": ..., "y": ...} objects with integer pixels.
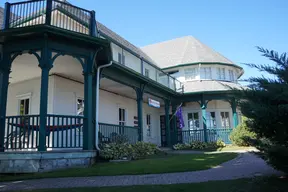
[{"x": 206, "y": 63}]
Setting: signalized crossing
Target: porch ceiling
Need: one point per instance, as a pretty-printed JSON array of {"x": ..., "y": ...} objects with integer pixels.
[{"x": 25, "y": 67}]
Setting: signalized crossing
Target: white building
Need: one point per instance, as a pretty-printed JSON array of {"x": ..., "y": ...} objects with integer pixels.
[{"x": 179, "y": 72}]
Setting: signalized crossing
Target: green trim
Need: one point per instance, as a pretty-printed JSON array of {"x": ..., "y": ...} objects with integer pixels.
[{"x": 202, "y": 63}]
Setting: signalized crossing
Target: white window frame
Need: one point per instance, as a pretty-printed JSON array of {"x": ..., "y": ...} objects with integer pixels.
[
  {"x": 213, "y": 126},
  {"x": 190, "y": 73},
  {"x": 207, "y": 72},
  {"x": 193, "y": 123},
  {"x": 148, "y": 125},
  {"x": 147, "y": 72},
  {"x": 24, "y": 97},
  {"x": 125, "y": 117},
  {"x": 231, "y": 75},
  {"x": 224, "y": 124},
  {"x": 79, "y": 98},
  {"x": 221, "y": 72}
]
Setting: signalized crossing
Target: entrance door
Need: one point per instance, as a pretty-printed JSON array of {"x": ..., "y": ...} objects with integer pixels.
[{"x": 164, "y": 134}]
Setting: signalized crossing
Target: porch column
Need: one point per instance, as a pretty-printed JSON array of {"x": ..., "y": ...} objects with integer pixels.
[
  {"x": 88, "y": 104},
  {"x": 167, "y": 122},
  {"x": 4, "y": 82},
  {"x": 174, "y": 125},
  {"x": 203, "y": 110},
  {"x": 139, "y": 93},
  {"x": 234, "y": 112},
  {"x": 45, "y": 65}
]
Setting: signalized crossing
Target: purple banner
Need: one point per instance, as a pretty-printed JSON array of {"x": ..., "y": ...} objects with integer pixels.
[{"x": 180, "y": 117}]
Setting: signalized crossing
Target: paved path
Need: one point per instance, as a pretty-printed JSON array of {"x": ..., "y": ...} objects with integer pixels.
[{"x": 244, "y": 166}]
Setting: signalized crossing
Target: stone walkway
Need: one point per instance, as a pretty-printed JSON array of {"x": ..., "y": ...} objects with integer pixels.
[{"x": 244, "y": 166}]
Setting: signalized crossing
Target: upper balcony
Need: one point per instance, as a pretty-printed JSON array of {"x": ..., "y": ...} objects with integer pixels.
[{"x": 60, "y": 14}]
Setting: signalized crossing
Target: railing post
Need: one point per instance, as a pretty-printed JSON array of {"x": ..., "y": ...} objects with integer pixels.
[
  {"x": 234, "y": 112},
  {"x": 167, "y": 122},
  {"x": 45, "y": 65},
  {"x": 93, "y": 24},
  {"x": 88, "y": 125},
  {"x": 174, "y": 125},
  {"x": 139, "y": 93},
  {"x": 4, "y": 82},
  {"x": 48, "y": 12},
  {"x": 6, "y": 16},
  {"x": 142, "y": 67},
  {"x": 203, "y": 109}
]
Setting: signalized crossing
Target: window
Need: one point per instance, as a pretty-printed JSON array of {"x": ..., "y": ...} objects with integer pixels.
[
  {"x": 225, "y": 120},
  {"x": 147, "y": 73},
  {"x": 221, "y": 73},
  {"x": 231, "y": 75},
  {"x": 121, "y": 58},
  {"x": 206, "y": 73},
  {"x": 211, "y": 120},
  {"x": 148, "y": 123},
  {"x": 190, "y": 73},
  {"x": 122, "y": 116},
  {"x": 80, "y": 107},
  {"x": 24, "y": 102},
  {"x": 193, "y": 121},
  {"x": 24, "y": 108}
]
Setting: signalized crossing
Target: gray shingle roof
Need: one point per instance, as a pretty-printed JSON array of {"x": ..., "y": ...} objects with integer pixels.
[
  {"x": 183, "y": 50},
  {"x": 120, "y": 40},
  {"x": 209, "y": 85}
]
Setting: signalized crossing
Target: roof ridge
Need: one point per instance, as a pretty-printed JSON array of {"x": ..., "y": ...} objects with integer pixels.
[{"x": 185, "y": 50}]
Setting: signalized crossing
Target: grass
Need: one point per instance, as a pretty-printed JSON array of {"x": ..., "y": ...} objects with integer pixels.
[
  {"x": 234, "y": 148},
  {"x": 168, "y": 164},
  {"x": 258, "y": 184}
]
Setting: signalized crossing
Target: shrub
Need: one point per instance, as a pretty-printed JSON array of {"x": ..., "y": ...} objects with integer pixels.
[
  {"x": 277, "y": 156},
  {"x": 119, "y": 139},
  {"x": 120, "y": 150},
  {"x": 241, "y": 135},
  {"x": 141, "y": 150},
  {"x": 116, "y": 151},
  {"x": 199, "y": 145}
]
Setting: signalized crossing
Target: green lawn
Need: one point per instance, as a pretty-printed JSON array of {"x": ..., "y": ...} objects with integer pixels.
[
  {"x": 241, "y": 185},
  {"x": 168, "y": 164}
]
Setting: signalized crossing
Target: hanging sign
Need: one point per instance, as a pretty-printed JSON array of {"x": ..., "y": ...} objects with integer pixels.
[{"x": 153, "y": 103}]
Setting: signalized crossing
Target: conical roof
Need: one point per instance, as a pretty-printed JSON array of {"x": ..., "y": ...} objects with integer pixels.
[{"x": 183, "y": 50}]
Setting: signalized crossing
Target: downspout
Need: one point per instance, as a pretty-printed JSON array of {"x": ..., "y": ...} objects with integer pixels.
[{"x": 97, "y": 103}]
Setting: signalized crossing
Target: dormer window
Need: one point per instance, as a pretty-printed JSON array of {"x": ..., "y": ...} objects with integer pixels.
[
  {"x": 231, "y": 75},
  {"x": 190, "y": 73},
  {"x": 206, "y": 73},
  {"x": 221, "y": 73}
]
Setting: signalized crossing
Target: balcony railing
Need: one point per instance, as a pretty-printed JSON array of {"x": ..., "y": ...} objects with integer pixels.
[
  {"x": 109, "y": 133},
  {"x": 212, "y": 135},
  {"x": 69, "y": 17},
  {"x": 62, "y": 131}
]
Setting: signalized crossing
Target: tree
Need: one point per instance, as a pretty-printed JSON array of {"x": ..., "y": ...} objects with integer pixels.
[{"x": 265, "y": 104}]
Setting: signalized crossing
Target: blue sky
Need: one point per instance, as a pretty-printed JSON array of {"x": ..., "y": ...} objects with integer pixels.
[{"x": 232, "y": 28}]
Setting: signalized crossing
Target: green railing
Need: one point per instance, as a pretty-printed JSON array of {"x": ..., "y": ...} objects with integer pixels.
[
  {"x": 109, "y": 132},
  {"x": 40, "y": 12},
  {"x": 212, "y": 135},
  {"x": 62, "y": 131}
]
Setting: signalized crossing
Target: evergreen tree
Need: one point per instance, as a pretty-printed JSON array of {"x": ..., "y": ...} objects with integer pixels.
[{"x": 265, "y": 104}]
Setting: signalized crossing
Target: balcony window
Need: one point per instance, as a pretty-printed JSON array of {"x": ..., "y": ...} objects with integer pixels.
[
  {"x": 147, "y": 73},
  {"x": 206, "y": 73},
  {"x": 231, "y": 75},
  {"x": 221, "y": 73},
  {"x": 190, "y": 73}
]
